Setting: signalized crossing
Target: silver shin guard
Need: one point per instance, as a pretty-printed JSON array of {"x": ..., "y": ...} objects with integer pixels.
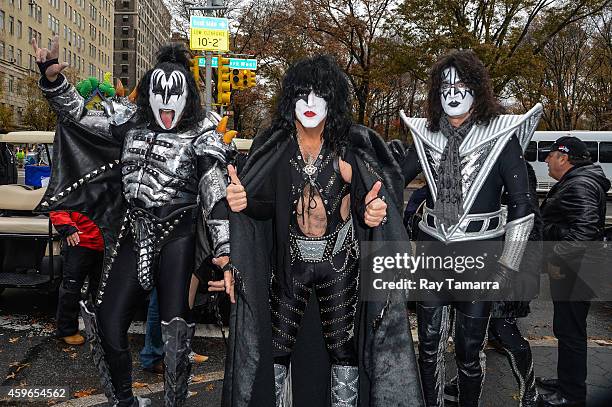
[
  {"x": 97, "y": 352},
  {"x": 176, "y": 335},
  {"x": 281, "y": 385},
  {"x": 344, "y": 386}
]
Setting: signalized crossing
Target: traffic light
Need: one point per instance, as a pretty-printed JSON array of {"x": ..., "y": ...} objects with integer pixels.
[
  {"x": 250, "y": 79},
  {"x": 195, "y": 70},
  {"x": 223, "y": 81},
  {"x": 236, "y": 82}
]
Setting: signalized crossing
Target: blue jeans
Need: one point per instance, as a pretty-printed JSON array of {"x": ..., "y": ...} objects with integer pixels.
[{"x": 153, "y": 350}]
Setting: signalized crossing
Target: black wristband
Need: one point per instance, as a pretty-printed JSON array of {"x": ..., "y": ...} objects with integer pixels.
[{"x": 42, "y": 66}]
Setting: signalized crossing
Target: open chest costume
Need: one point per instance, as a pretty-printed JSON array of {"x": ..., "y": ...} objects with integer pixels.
[
  {"x": 299, "y": 333},
  {"x": 466, "y": 169},
  {"x": 152, "y": 176}
]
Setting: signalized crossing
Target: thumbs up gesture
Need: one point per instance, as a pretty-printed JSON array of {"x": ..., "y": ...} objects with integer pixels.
[
  {"x": 235, "y": 193},
  {"x": 376, "y": 208}
]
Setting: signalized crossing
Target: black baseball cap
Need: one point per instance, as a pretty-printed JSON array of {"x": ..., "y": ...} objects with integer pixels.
[{"x": 569, "y": 145}]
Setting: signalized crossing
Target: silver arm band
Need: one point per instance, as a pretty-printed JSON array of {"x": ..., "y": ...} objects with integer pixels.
[
  {"x": 220, "y": 236},
  {"x": 67, "y": 102},
  {"x": 212, "y": 188},
  {"x": 515, "y": 241},
  {"x": 64, "y": 99}
]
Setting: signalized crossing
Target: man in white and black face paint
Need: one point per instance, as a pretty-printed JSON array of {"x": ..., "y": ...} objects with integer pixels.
[
  {"x": 172, "y": 176},
  {"x": 168, "y": 96},
  {"x": 455, "y": 96},
  {"x": 468, "y": 151}
]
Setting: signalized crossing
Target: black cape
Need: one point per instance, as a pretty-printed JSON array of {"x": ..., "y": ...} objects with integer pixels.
[
  {"x": 387, "y": 363},
  {"x": 86, "y": 178}
]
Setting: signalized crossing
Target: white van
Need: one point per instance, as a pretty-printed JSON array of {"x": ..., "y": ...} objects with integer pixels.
[{"x": 599, "y": 144}]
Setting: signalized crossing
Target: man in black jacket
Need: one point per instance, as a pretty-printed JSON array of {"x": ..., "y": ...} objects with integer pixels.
[{"x": 573, "y": 212}]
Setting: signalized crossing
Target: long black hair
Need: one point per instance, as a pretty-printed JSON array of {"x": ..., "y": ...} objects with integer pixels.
[
  {"x": 322, "y": 75},
  {"x": 474, "y": 74},
  {"x": 171, "y": 57}
]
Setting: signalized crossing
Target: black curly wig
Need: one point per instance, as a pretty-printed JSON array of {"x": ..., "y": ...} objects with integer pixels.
[
  {"x": 474, "y": 74},
  {"x": 322, "y": 75},
  {"x": 171, "y": 57}
]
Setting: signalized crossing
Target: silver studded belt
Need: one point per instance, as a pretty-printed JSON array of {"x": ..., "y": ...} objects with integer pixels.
[
  {"x": 151, "y": 232},
  {"x": 324, "y": 248}
]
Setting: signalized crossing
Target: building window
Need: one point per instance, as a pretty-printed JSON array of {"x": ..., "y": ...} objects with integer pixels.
[
  {"x": 1, "y": 20},
  {"x": 125, "y": 82},
  {"x": 126, "y": 3},
  {"x": 19, "y": 28},
  {"x": 124, "y": 43},
  {"x": 124, "y": 69},
  {"x": 125, "y": 30},
  {"x": 124, "y": 56},
  {"x": 125, "y": 18},
  {"x": 11, "y": 25},
  {"x": 19, "y": 57},
  {"x": 11, "y": 54},
  {"x": 2, "y": 49},
  {"x": 11, "y": 84}
]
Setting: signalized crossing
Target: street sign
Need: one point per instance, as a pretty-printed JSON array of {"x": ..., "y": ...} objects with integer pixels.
[
  {"x": 210, "y": 23},
  {"x": 235, "y": 63},
  {"x": 209, "y": 34}
]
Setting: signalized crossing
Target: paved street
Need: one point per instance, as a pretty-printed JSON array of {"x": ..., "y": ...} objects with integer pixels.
[{"x": 30, "y": 356}]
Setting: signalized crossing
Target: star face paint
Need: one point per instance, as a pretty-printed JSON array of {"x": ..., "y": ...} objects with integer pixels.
[
  {"x": 168, "y": 97},
  {"x": 456, "y": 98},
  {"x": 310, "y": 110}
]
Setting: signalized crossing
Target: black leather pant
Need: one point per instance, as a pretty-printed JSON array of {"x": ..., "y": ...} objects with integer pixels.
[
  {"x": 471, "y": 322},
  {"x": 337, "y": 293},
  {"x": 124, "y": 294}
]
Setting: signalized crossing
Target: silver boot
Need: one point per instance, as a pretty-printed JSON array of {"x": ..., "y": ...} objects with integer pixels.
[
  {"x": 344, "y": 386},
  {"x": 176, "y": 336},
  {"x": 282, "y": 386}
]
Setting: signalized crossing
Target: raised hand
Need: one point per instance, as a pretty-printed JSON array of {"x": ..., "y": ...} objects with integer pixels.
[
  {"x": 43, "y": 55},
  {"x": 236, "y": 195},
  {"x": 376, "y": 208}
]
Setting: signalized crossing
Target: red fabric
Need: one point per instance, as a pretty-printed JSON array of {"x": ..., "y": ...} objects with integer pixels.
[{"x": 90, "y": 235}]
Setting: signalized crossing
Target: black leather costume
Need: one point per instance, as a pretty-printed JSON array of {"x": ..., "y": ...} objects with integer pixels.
[
  {"x": 326, "y": 265},
  {"x": 148, "y": 190},
  {"x": 491, "y": 160}
]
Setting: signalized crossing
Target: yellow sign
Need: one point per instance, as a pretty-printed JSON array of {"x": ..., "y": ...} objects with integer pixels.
[{"x": 204, "y": 39}]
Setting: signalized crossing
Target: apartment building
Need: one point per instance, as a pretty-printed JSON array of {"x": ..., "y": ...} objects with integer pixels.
[
  {"x": 141, "y": 27},
  {"x": 85, "y": 29}
]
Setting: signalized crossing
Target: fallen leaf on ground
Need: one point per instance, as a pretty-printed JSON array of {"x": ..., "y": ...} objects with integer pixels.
[
  {"x": 11, "y": 376},
  {"x": 73, "y": 355},
  {"x": 210, "y": 387},
  {"x": 198, "y": 378},
  {"x": 603, "y": 342},
  {"x": 84, "y": 393},
  {"x": 139, "y": 385},
  {"x": 13, "y": 340}
]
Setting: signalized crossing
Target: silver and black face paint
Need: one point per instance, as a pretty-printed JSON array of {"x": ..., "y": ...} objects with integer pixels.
[
  {"x": 456, "y": 97},
  {"x": 168, "y": 97}
]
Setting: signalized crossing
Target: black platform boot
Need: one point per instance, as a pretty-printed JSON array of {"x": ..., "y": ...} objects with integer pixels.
[
  {"x": 115, "y": 368},
  {"x": 176, "y": 336},
  {"x": 507, "y": 339},
  {"x": 433, "y": 324},
  {"x": 470, "y": 339}
]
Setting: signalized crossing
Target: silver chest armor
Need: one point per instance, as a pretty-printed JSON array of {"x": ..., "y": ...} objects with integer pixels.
[
  {"x": 479, "y": 151},
  {"x": 159, "y": 168}
]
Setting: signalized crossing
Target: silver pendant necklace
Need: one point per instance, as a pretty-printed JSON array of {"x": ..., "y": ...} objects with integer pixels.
[{"x": 310, "y": 168}]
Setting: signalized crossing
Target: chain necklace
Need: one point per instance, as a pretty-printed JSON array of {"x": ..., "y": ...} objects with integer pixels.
[{"x": 310, "y": 167}]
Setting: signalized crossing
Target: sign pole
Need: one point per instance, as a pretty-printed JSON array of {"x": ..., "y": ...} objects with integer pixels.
[
  {"x": 208, "y": 83},
  {"x": 208, "y": 74}
]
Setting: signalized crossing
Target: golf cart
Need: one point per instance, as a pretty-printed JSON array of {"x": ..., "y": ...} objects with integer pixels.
[{"x": 29, "y": 245}]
